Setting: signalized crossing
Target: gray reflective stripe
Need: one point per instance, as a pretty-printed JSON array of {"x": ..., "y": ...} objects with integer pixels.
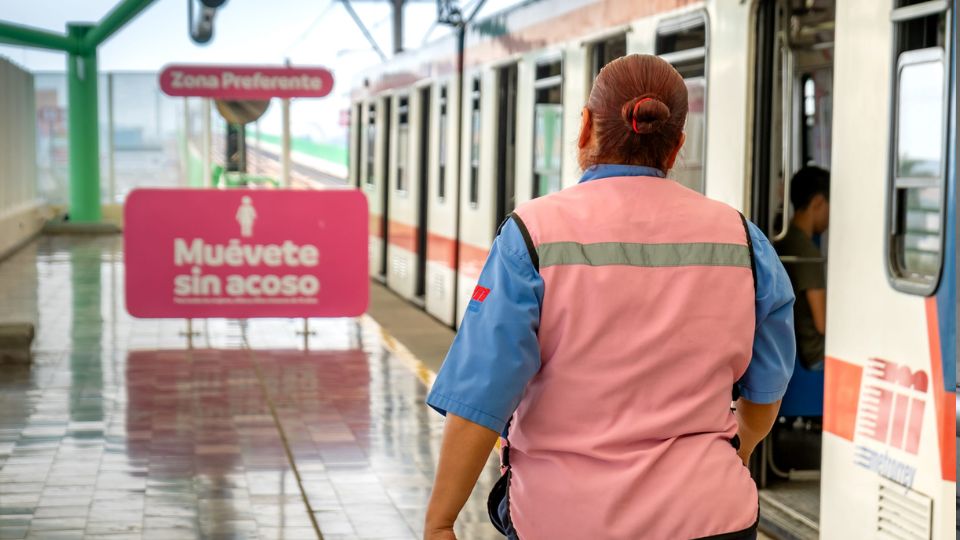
[{"x": 650, "y": 255}]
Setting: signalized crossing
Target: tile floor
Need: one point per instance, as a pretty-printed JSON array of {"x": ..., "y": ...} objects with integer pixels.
[{"x": 122, "y": 429}]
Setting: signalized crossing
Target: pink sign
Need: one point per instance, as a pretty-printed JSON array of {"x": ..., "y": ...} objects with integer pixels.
[
  {"x": 245, "y": 82},
  {"x": 194, "y": 253}
]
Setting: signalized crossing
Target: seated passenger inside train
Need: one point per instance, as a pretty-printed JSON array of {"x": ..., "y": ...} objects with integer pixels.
[{"x": 810, "y": 196}]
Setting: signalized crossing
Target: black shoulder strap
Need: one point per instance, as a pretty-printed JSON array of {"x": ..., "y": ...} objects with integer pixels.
[
  {"x": 753, "y": 262},
  {"x": 531, "y": 249},
  {"x": 753, "y": 271}
]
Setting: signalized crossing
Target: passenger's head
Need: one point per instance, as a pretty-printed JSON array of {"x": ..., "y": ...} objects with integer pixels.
[
  {"x": 634, "y": 115},
  {"x": 810, "y": 196}
]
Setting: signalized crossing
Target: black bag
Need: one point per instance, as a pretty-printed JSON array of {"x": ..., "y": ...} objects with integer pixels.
[{"x": 497, "y": 495}]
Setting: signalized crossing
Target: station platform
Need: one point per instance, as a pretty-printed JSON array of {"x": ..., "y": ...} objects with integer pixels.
[{"x": 130, "y": 428}]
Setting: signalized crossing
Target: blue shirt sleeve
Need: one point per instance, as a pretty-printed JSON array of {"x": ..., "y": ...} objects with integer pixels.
[
  {"x": 495, "y": 352},
  {"x": 774, "y": 343}
]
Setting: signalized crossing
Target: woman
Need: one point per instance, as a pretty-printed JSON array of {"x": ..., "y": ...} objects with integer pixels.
[{"x": 610, "y": 323}]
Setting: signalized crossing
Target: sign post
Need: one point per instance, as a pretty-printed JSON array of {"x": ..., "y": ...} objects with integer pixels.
[{"x": 297, "y": 254}]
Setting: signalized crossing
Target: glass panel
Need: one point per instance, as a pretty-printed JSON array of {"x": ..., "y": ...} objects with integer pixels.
[
  {"x": 551, "y": 69},
  {"x": 921, "y": 238},
  {"x": 817, "y": 118},
  {"x": 475, "y": 152},
  {"x": 607, "y": 51},
  {"x": 549, "y": 95},
  {"x": 403, "y": 141},
  {"x": 442, "y": 180},
  {"x": 151, "y": 148},
  {"x": 546, "y": 149},
  {"x": 475, "y": 136},
  {"x": 403, "y": 151},
  {"x": 921, "y": 33},
  {"x": 688, "y": 169},
  {"x": 148, "y": 127},
  {"x": 357, "y": 134},
  {"x": 687, "y": 38},
  {"x": 52, "y": 146},
  {"x": 371, "y": 143},
  {"x": 691, "y": 37},
  {"x": 689, "y": 70},
  {"x": 919, "y": 112}
]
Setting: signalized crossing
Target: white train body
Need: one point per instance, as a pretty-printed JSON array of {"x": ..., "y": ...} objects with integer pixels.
[{"x": 842, "y": 93}]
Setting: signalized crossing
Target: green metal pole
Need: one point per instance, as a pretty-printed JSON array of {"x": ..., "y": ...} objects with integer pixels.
[
  {"x": 15, "y": 34},
  {"x": 84, "y": 130}
]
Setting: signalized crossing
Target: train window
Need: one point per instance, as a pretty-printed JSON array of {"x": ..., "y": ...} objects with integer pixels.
[
  {"x": 475, "y": 143},
  {"x": 371, "y": 152},
  {"x": 683, "y": 43},
  {"x": 403, "y": 141},
  {"x": 442, "y": 136},
  {"x": 605, "y": 51},
  {"x": 816, "y": 116},
  {"x": 357, "y": 125},
  {"x": 918, "y": 148},
  {"x": 547, "y": 128}
]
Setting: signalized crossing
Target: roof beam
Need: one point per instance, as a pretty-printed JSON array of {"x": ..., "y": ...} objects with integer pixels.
[{"x": 120, "y": 15}]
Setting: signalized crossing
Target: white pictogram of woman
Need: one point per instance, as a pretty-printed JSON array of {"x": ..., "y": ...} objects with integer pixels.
[{"x": 246, "y": 215}]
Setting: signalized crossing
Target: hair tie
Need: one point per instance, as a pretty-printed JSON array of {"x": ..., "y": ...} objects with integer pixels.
[{"x": 634, "y": 115}]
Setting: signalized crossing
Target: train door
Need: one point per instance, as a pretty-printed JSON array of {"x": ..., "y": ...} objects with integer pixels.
[
  {"x": 423, "y": 198},
  {"x": 792, "y": 128},
  {"x": 443, "y": 211},
  {"x": 506, "y": 141},
  {"x": 369, "y": 176},
  {"x": 385, "y": 187}
]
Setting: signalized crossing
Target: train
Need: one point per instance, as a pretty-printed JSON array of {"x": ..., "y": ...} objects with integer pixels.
[{"x": 446, "y": 140}]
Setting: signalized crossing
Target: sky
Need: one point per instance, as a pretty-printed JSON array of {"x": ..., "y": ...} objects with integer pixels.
[{"x": 307, "y": 32}]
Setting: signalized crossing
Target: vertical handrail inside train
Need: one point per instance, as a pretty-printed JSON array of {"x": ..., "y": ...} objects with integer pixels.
[
  {"x": 786, "y": 121},
  {"x": 759, "y": 201}
]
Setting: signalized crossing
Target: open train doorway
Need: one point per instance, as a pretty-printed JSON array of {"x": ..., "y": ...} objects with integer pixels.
[
  {"x": 384, "y": 182},
  {"x": 420, "y": 288},
  {"x": 506, "y": 141},
  {"x": 792, "y": 121}
]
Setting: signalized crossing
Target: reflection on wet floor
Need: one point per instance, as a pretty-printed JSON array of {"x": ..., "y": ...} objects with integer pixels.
[{"x": 118, "y": 429}]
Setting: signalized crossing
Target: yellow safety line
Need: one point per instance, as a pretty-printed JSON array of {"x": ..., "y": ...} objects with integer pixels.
[{"x": 409, "y": 360}]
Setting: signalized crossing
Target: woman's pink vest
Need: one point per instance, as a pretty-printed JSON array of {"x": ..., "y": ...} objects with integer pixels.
[{"x": 647, "y": 322}]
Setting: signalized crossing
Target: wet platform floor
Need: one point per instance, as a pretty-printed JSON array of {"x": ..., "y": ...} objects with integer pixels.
[{"x": 129, "y": 428}]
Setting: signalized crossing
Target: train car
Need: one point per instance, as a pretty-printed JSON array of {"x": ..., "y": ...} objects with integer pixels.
[
  {"x": 864, "y": 88},
  {"x": 404, "y": 146}
]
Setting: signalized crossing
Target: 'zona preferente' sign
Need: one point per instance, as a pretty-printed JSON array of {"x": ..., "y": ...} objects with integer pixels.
[{"x": 245, "y": 82}]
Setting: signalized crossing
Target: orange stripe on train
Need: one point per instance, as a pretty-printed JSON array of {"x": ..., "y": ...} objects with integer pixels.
[
  {"x": 841, "y": 397},
  {"x": 945, "y": 402}
]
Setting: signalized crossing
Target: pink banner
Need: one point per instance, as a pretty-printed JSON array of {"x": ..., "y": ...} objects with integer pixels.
[
  {"x": 245, "y": 82},
  {"x": 194, "y": 253}
]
